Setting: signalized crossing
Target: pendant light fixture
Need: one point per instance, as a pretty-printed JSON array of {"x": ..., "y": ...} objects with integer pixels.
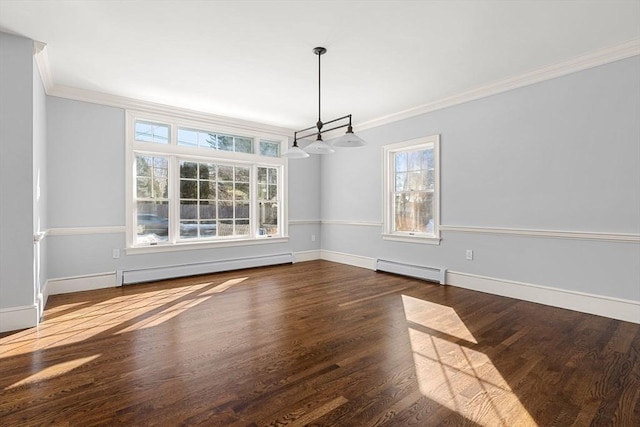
[{"x": 349, "y": 139}]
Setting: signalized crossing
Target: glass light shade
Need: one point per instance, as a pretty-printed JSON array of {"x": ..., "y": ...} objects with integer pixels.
[
  {"x": 349, "y": 139},
  {"x": 295, "y": 152},
  {"x": 319, "y": 147}
]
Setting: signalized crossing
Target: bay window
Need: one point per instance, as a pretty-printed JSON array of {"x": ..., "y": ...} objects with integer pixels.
[{"x": 189, "y": 183}]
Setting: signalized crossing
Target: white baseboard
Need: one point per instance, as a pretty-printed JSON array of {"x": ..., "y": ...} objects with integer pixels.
[
  {"x": 41, "y": 303},
  {"x": 14, "y": 318},
  {"x": 614, "y": 308},
  {"x": 183, "y": 270},
  {"x": 600, "y": 305},
  {"x": 307, "y": 255},
  {"x": 433, "y": 274},
  {"x": 91, "y": 282},
  {"x": 354, "y": 260},
  {"x": 43, "y": 297}
]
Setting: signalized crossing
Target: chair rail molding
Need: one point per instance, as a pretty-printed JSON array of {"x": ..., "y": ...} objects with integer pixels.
[
  {"x": 72, "y": 231},
  {"x": 559, "y": 234}
]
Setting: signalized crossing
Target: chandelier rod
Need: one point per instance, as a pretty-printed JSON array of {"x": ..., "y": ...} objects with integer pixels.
[
  {"x": 319, "y": 88},
  {"x": 319, "y": 51}
]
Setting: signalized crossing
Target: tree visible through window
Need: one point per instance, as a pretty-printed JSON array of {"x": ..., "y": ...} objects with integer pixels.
[
  {"x": 214, "y": 141},
  {"x": 195, "y": 185},
  {"x": 268, "y": 200},
  {"x": 152, "y": 199},
  {"x": 414, "y": 187},
  {"x": 411, "y": 188}
]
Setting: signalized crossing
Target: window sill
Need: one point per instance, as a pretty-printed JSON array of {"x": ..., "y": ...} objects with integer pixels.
[
  {"x": 190, "y": 246},
  {"x": 412, "y": 239}
]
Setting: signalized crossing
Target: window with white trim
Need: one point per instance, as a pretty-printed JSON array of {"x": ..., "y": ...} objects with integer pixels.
[
  {"x": 192, "y": 183},
  {"x": 412, "y": 190}
]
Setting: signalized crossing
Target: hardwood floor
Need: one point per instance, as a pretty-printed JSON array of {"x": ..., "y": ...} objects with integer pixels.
[{"x": 316, "y": 343}]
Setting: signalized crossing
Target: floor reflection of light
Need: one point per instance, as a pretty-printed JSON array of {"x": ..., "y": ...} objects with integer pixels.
[
  {"x": 176, "y": 309},
  {"x": 54, "y": 371},
  {"x": 226, "y": 285},
  {"x": 109, "y": 314},
  {"x": 454, "y": 375}
]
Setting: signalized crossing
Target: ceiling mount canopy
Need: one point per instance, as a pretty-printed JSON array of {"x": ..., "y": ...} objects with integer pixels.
[{"x": 349, "y": 139}]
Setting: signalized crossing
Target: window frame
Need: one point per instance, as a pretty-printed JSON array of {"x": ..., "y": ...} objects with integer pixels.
[
  {"x": 176, "y": 153},
  {"x": 388, "y": 153}
]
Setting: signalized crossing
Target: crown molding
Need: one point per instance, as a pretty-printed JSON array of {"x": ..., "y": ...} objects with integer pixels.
[
  {"x": 126, "y": 103},
  {"x": 42, "y": 62},
  {"x": 578, "y": 63}
]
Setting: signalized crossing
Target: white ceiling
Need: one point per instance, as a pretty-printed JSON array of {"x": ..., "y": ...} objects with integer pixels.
[{"x": 253, "y": 59}]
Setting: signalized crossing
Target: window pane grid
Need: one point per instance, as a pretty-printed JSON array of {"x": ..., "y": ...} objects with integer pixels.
[
  {"x": 183, "y": 194},
  {"x": 151, "y": 132},
  {"x": 214, "y": 141},
  {"x": 269, "y": 148},
  {"x": 413, "y": 191},
  {"x": 267, "y": 201},
  {"x": 214, "y": 200},
  {"x": 197, "y": 196},
  {"x": 152, "y": 204}
]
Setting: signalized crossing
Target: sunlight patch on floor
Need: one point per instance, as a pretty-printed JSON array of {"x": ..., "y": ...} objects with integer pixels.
[
  {"x": 165, "y": 315},
  {"x": 226, "y": 285},
  {"x": 179, "y": 308},
  {"x": 437, "y": 317},
  {"x": 110, "y": 315},
  {"x": 456, "y": 376},
  {"x": 54, "y": 371}
]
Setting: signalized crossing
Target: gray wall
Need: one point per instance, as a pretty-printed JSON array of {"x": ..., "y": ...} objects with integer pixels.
[
  {"x": 86, "y": 188},
  {"x": 559, "y": 155},
  {"x": 16, "y": 172},
  {"x": 86, "y": 164},
  {"x": 304, "y": 203}
]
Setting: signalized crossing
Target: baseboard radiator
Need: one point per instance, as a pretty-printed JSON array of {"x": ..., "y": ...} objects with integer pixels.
[
  {"x": 126, "y": 277},
  {"x": 432, "y": 274}
]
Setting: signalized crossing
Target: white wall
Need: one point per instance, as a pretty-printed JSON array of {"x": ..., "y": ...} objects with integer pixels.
[
  {"x": 40, "y": 223},
  {"x": 86, "y": 189},
  {"x": 559, "y": 155}
]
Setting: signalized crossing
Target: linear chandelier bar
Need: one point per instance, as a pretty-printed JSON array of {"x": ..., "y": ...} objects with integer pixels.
[
  {"x": 325, "y": 130},
  {"x": 349, "y": 139}
]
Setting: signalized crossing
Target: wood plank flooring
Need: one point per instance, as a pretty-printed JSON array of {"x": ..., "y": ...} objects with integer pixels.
[{"x": 316, "y": 343}]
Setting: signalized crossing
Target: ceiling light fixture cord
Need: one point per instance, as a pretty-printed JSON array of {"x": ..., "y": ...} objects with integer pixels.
[{"x": 319, "y": 51}]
